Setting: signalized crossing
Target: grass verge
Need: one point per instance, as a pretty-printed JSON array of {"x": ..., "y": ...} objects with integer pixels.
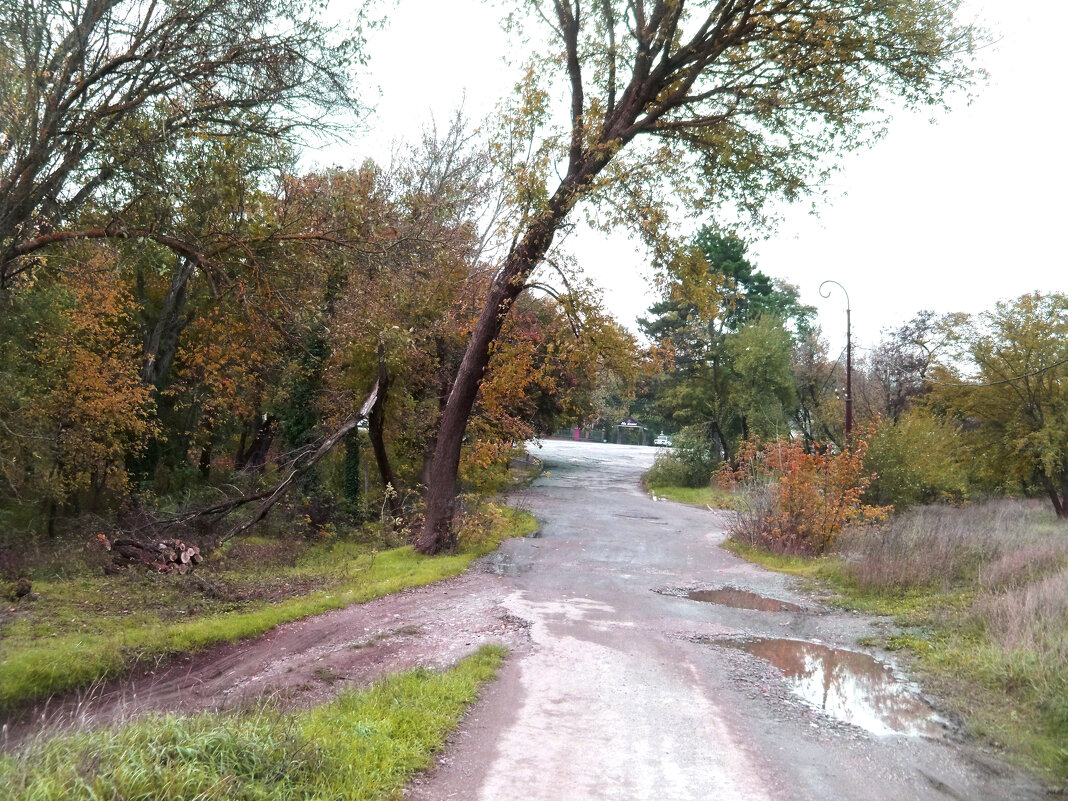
[
  {"x": 83, "y": 629},
  {"x": 979, "y": 596},
  {"x": 715, "y": 497},
  {"x": 363, "y": 746}
]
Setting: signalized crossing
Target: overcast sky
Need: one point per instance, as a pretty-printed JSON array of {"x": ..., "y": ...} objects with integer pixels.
[{"x": 951, "y": 214}]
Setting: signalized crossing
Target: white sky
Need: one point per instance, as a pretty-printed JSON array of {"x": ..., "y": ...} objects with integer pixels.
[{"x": 950, "y": 215}]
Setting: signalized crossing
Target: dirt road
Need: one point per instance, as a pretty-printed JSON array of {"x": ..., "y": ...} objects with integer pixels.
[
  {"x": 630, "y": 690},
  {"x": 619, "y": 686}
]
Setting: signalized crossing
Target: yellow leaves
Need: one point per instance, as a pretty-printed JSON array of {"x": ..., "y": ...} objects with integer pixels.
[
  {"x": 96, "y": 411},
  {"x": 692, "y": 280}
]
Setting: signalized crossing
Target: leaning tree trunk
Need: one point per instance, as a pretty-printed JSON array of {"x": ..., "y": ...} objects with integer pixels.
[
  {"x": 437, "y": 534},
  {"x": 1060, "y": 500}
]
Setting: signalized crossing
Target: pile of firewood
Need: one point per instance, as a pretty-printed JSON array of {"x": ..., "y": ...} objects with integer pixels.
[{"x": 164, "y": 556}]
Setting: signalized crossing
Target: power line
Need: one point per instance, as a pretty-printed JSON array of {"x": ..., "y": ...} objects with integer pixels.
[{"x": 1002, "y": 381}]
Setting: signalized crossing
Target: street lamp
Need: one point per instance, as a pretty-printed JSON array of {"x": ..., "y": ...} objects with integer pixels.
[{"x": 849, "y": 359}]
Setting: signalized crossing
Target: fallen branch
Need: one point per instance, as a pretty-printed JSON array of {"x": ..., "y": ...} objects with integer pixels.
[
  {"x": 300, "y": 465},
  {"x": 140, "y": 548}
]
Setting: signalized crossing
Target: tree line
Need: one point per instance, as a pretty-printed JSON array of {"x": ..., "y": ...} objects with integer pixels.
[
  {"x": 948, "y": 405},
  {"x": 182, "y": 307}
]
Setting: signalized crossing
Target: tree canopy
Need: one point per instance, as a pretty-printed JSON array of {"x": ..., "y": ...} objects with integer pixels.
[
  {"x": 157, "y": 232},
  {"x": 102, "y": 101},
  {"x": 1008, "y": 383},
  {"x": 735, "y": 102}
]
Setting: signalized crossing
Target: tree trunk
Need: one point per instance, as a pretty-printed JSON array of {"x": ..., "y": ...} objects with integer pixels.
[
  {"x": 443, "y": 389},
  {"x": 718, "y": 437},
  {"x": 375, "y": 423},
  {"x": 161, "y": 342},
  {"x": 241, "y": 455},
  {"x": 263, "y": 431},
  {"x": 1060, "y": 505},
  {"x": 353, "y": 489},
  {"x": 204, "y": 466},
  {"x": 437, "y": 534}
]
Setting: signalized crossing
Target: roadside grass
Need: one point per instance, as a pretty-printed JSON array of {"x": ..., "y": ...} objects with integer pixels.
[
  {"x": 716, "y": 497},
  {"x": 980, "y": 594},
  {"x": 77, "y": 630},
  {"x": 362, "y": 746},
  {"x": 782, "y": 563}
]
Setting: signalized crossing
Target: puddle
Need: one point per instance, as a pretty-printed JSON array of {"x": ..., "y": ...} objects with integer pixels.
[
  {"x": 741, "y": 599},
  {"x": 500, "y": 563},
  {"x": 848, "y": 686}
]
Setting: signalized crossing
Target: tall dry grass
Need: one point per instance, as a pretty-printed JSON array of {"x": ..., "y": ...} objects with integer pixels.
[
  {"x": 990, "y": 547},
  {"x": 1006, "y": 561},
  {"x": 1032, "y": 616},
  {"x": 982, "y": 591}
]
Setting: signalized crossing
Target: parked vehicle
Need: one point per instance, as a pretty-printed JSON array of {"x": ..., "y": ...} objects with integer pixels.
[{"x": 662, "y": 440}]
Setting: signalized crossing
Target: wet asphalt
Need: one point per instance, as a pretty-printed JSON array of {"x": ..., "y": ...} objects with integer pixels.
[{"x": 626, "y": 689}]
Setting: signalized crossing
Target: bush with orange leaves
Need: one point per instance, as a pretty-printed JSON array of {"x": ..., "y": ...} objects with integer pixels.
[{"x": 797, "y": 501}]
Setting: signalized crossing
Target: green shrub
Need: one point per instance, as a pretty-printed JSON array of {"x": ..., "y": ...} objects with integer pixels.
[
  {"x": 915, "y": 460},
  {"x": 690, "y": 463}
]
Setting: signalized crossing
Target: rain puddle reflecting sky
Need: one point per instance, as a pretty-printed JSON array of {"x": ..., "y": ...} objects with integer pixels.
[
  {"x": 741, "y": 599},
  {"x": 848, "y": 685}
]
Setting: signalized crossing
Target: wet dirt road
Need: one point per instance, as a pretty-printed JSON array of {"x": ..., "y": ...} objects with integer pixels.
[
  {"x": 619, "y": 686},
  {"x": 626, "y": 689}
]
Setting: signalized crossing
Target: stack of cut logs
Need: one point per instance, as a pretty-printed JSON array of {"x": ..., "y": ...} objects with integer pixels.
[{"x": 166, "y": 556}]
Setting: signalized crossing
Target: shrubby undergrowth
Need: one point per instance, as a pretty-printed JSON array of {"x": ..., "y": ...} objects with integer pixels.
[
  {"x": 798, "y": 501},
  {"x": 691, "y": 461},
  {"x": 916, "y": 459}
]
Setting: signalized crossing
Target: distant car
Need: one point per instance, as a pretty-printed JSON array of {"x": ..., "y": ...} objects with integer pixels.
[{"x": 663, "y": 441}]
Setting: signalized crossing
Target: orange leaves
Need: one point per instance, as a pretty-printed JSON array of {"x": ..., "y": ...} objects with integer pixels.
[
  {"x": 799, "y": 501},
  {"x": 97, "y": 411}
]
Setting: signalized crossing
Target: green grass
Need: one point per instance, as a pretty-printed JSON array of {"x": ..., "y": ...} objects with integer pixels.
[
  {"x": 715, "y": 497},
  {"x": 1014, "y": 699},
  {"x": 781, "y": 563},
  {"x": 362, "y": 746},
  {"x": 87, "y": 628}
]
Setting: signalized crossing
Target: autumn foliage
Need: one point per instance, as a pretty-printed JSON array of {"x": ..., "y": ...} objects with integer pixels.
[
  {"x": 134, "y": 380},
  {"x": 798, "y": 500}
]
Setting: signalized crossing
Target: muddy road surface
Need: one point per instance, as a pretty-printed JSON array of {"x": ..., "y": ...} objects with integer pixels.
[
  {"x": 647, "y": 663},
  {"x": 659, "y": 666}
]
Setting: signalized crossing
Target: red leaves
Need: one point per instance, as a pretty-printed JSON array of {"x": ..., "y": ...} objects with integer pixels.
[{"x": 799, "y": 501}]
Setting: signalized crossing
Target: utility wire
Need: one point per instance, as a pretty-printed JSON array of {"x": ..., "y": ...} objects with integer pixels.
[{"x": 1002, "y": 381}]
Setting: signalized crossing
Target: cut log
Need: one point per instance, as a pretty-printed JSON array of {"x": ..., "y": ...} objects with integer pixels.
[{"x": 165, "y": 556}]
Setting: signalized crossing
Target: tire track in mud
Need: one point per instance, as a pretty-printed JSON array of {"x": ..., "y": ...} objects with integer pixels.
[{"x": 301, "y": 663}]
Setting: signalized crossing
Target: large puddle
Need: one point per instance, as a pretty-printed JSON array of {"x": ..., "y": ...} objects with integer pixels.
[
  {"x": 741, "y": 599},
  {"x": 848, "y": 685}
]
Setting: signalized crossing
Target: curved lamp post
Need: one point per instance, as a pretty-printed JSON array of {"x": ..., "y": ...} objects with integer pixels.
[{"x": 849, "y": 359}]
